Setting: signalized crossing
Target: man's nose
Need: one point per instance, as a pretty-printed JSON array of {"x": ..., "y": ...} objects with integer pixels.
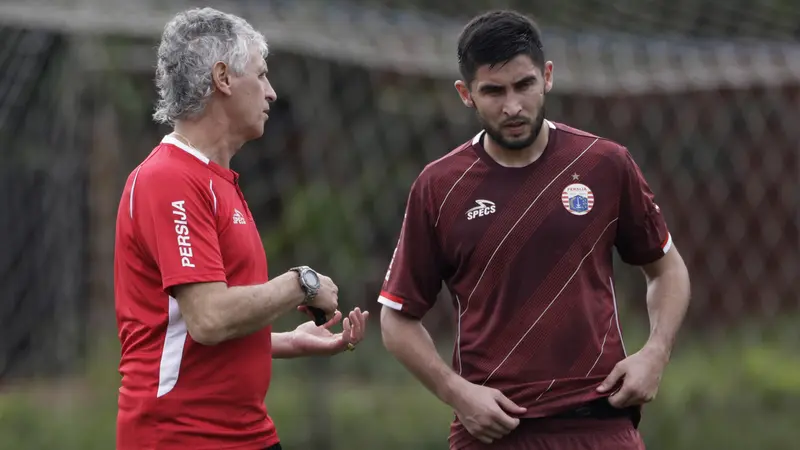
[
  {"x": 270, "y": 93},
  {"x": 512, "y": 106}
]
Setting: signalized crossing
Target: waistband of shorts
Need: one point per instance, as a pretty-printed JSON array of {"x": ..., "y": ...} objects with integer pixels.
[
  {"x": 550, "y": 426},
  {"x": 559, "y": 425}
]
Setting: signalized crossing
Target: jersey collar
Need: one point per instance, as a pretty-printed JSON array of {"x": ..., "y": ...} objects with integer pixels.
[
  {"x": 227, "y": 174},
  {"x": 479, "y": 137},
  {"x": 477, "y": 145}
]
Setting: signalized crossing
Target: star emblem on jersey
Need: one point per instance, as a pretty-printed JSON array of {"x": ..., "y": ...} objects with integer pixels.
[
  {"x": 575, "y": 177},
  {"x": 238, "y": 217},
  {"x": 577, "y": 199}
]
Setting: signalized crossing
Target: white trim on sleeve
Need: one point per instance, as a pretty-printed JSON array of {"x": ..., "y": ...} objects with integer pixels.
[
  {"x": 667, "y": 245},
  {"x": 390, "y": 303}
]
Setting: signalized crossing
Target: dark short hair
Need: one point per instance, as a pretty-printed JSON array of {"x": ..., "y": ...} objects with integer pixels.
[{"x": 497, "y": 37}]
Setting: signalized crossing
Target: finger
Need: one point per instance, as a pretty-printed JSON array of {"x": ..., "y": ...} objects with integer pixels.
[
  {"x": 635, "y": 397},
  {"x": 346, "y": 334},
  {"x": 306, "y": 311},
  {"x": 621, "y": 398},
  {"x": 355, "y": 322},
  {"x": 364, "y": 317},
  {"x": 337, "y": 316},
  {"x": 493, "y": 433},
  {"x": 483, "y": 436},
  {"x": 612, "y": 379},
  {"x": 354, "y": 337},
  {"x": 503, "y": 423},
  {"x": 507, "y": 405}
]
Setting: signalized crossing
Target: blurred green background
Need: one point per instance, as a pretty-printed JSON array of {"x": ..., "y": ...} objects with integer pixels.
[
  {"x": 705, "y": 94},
  {"x": 735, "y": 391}
]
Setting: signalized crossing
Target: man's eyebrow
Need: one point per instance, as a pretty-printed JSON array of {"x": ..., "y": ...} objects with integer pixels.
[
  {"x": 490, "y": 86},
  {"x": 526, "y": 79}
]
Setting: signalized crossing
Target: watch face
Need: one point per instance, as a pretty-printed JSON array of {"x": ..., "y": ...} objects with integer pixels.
[{"x": 311, "y": 278}]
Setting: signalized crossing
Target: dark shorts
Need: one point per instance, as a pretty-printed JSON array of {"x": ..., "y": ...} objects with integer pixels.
[
  {"x": 594, "y": 426},
  {"x": 561, "y": 434},
  {"x": 274, "y": 447}
]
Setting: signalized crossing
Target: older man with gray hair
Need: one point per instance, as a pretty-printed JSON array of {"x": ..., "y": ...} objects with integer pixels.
[{"x": 194, "y": 303}]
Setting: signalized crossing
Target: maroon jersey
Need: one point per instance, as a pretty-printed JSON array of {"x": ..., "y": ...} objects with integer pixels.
[{"x": 527, "y": 255}]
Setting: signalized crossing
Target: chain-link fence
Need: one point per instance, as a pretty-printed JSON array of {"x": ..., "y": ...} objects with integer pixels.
[
  {"x": 43, "y": 262},
  {"x": 365, "y": 100}
]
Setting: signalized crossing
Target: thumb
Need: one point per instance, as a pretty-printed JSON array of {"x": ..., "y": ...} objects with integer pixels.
[
  {"x": 306, "y": 311},
  {"x": 508, "y": 405},
  {"x": 337, "y": 316},
  {"x": 612, "y": 379}
]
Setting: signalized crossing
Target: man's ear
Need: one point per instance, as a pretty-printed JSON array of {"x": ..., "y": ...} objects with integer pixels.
[
  {"x": 548, "y": 76},
  {"x": 464, "y": 93},
  {"x": 221, "y": 77}
]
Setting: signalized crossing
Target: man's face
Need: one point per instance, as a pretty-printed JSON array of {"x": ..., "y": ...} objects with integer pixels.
[
  {"x": 251, "y": 95},
  {"x": 509, "y": 100}
]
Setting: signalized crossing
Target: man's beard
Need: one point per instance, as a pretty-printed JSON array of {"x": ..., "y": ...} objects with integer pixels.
[{"x": 517, "y": 144}]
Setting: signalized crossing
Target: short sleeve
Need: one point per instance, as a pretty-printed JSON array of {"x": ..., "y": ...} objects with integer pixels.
[
  {"x": 177, "y": 220},
  {"x": 642, "y": 233},
  {"x": 414, "y": 277}
]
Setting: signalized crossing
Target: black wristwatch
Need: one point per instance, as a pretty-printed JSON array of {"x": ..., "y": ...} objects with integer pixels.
[{"x": 309, "y": 282}]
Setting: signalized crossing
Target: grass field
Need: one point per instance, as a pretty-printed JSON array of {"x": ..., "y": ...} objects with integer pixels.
[{"x": 738, "y": 391}]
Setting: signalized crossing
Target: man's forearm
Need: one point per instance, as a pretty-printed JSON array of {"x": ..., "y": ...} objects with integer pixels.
[
  {"x": 215, "y": 312},
  {"x": 410, "y": 343},
  {"x": 667, "y": 301},
  {"x": 247, "y": 309}
]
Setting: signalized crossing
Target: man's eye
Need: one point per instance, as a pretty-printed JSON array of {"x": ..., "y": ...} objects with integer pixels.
[{"x": 525, "y": 85}]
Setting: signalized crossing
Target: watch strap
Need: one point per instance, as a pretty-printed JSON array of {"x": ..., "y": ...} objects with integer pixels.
[{"x": 310, "y": 291}]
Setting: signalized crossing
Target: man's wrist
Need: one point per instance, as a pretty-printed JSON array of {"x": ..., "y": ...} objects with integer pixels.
[
  {"x": 308, "y": 281},
  {"x": 293, "y": 287},
  {"x": 299, "y": 284},
  {"x": 292, "y": 339},
  {"x": 450, "y": 388},
  {"x": 284, "y": 345},
  {"x": 658, "y": 349}
]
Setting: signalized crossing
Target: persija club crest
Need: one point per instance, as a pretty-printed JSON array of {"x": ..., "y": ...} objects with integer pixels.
[{"x": 578, "y": 199}]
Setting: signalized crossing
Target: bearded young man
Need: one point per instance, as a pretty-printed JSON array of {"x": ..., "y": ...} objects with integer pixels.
[{"x": 520, "y": 223}]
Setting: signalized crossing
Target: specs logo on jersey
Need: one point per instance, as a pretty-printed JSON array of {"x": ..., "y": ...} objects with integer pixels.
[
  {"x": 577, "y": 199},
  {"x": 238, "y": 217},
  {"x": 484, "y": 208}
]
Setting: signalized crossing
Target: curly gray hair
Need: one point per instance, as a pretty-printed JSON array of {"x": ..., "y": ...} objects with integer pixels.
[{"x": 192, "y": 42}]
